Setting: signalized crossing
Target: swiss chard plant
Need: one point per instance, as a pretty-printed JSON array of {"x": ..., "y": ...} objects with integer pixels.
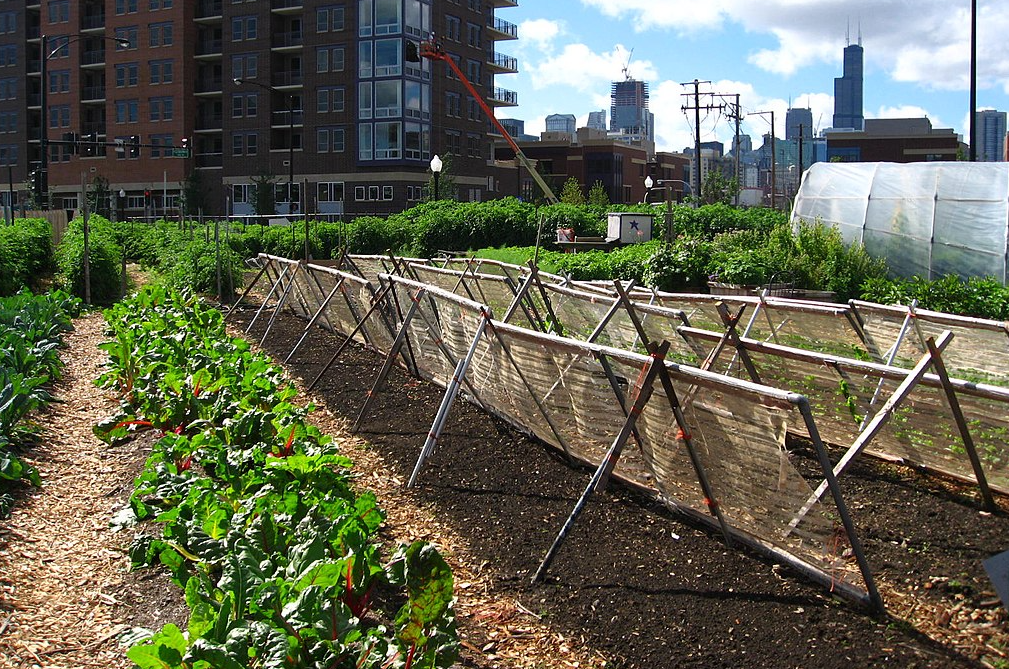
[
  {"x": 31, "y": 333},
  {"x": 260, "y": 525}
]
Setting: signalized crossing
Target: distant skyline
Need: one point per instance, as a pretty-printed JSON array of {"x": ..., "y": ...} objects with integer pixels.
[{"x": 771, "y": 53}]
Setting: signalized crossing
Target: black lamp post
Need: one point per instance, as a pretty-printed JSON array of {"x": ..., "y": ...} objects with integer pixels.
[
  {"x": 436, "y": 166},
  {"x": 43, "y": 98},
  {"x": 289, "y": 100}
]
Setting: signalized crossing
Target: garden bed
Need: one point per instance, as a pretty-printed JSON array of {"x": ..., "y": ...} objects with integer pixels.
[{"x": 637, "y": 584}]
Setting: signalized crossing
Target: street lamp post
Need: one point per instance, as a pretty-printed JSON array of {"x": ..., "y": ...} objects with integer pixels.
[
  {"x": 289, "y": 100},
  {"x": 436, "y": 166},
  {"x": 43, "y": 99},
  {"x": 665, "y": 184}
]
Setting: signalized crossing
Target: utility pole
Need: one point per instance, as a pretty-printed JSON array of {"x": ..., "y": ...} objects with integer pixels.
[
  {"x": 697, "y": 107},
  {"x": 774, "y": 165},
  {"x": 973, "y": 81},
  {"x": 737, "y": 116}
]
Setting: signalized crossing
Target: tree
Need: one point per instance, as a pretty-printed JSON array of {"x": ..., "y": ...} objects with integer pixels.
[
  {"x": 446, "y": 182},
  {"x": 100, "y": 197},
  {"x": 598, "y": 197},
  {"x": 716, "y": 189},
  {"x": 264, "y": 202},
  {"x": 194, "y": 194},
  {"x": 572, "y": 192}
]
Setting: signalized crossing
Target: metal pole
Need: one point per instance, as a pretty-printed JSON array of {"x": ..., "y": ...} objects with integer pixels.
[
  {"x": 974, "y": 81},
  {"x": 87, "y": 250},
  {"x": 43, "y": 126},
  {"x": 290, "y": 165}
]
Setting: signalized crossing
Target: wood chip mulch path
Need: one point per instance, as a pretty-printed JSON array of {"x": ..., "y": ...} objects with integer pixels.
[{"x": 59, "y": 561}]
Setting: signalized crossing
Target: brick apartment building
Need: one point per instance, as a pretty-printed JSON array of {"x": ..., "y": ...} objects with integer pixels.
[{"x": 325, "y": 93}]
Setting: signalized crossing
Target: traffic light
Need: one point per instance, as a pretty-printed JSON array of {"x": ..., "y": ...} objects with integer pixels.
[
  {"x": 36, "y": 177},
  {"x": 73, "y": 140},
  {"x": 89, "y": 144},
  {"x": 147, "y": 199},
  {"x": 134, "y": 146}
]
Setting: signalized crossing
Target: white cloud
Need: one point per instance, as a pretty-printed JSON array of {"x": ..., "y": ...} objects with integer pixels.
[
  {"x": 541, "y": 33},
  {"x": 925, "y": 42},
  {"x": 577, "y": 66}
]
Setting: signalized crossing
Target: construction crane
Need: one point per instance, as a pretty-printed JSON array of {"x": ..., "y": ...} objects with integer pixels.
[{"x": 434, "y": 51}]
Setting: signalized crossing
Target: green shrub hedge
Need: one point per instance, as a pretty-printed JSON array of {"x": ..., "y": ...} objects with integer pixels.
[
  {"x": 26, "y": 254},
  {"x": 105, "y": 260}
]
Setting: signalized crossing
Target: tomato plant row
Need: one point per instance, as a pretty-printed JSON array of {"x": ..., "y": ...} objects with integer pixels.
[{"x": 260, "y": 525}]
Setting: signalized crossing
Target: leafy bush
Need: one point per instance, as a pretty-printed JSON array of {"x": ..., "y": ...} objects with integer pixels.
[
  {"x": 682, "y": 265},
  {"x": 105, "y": 260},
  {"x": 26, "y": 253},
  {"x": 977, "y": 297}
]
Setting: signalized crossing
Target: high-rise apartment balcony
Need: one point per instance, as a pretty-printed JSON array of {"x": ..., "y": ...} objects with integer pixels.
[
  {"x": 499, "y": 29},
  {"x": 287, "y": 39},
  {"x": 34, "y": 66},
  {"x": 505, "y": 3},
  {"x": 289, "y": 78},
  {"x": 501, "y": 63},
  {"x": 93, "y": 57},
  {"x": 279, "y": 6},
  {"x": 209, "y": 85},
  {"x": 209, "y": 159},
  {"x": 93, "y": 94},
  {"x": 209, "y": 9},
  {"x": 209, "y": 122},
  {"x": 93, "y": 21},
  {"x": 501, "y": 97},
  {"x": 208, "y": 47}
]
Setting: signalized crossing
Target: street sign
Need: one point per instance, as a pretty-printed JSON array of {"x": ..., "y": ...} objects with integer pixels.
[{"x": 180, "y": 153}]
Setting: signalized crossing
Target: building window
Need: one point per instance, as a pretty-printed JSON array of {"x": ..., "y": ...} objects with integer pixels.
[
  {"x": 365, "y": 17},
  {"x": 128, "y": 33},
  {"x": 161, "y": 145},
  {"x": 330, "y": 99},
  {"x": 416, "y": 141},
  {"x": 59, "y": 116},
  {"x": 329, "y": 59},
  {"x": 364, "y": 101},
  {"x": 453, "y": 28},
  {"x": 330, "y": 140},
  {"x": 244, "y": 104},
  {"x": 59, "y": 11},
  {"x": 127, "y": 111},
  {"x": 388, "y": 17},
  {"x": 160, "y": 34},
  {"x": 474, "y": 146},
  {"x": 453, "y": 104},
  {"x": 388, "y": 57},
  {"x": 364, "y": 141},
  {"x": 238, "y": 145},
  {"x": 126, "y": 7},
  {"x": 453, "y": 142},
  {"x": 388, "y": 141},
  {"x": 360, "y": 193},
  {"x": 159, "y": 4},
  {"x": 388, "y": 99},
  {"x": 329, "y": 19},
  {"x": 162, "y": 71},
  {"x": 244, "y": 28},
  {"x": 59, "y": 81},
  {"x": 364, "y": 59},
  {"x": 473, "y": 34},
  {"x": 245, "y": 66},
  {"x": 162, "y": 109},
  {"x": 126, "y": 74},
  {"x": 473, "y": 72},
  {"x": 8, "y": 22},
  {"x": 329, "y": 191}
]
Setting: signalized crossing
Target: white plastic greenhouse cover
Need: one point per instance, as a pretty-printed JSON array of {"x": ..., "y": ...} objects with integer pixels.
[{"x": 926, "y": 219}]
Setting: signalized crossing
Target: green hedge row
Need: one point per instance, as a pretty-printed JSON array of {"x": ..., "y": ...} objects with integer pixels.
[{"x": 26, "y": 254}]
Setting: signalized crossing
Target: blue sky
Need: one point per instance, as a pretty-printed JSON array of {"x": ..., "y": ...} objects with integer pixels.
[{"x": 916, "y": 58}]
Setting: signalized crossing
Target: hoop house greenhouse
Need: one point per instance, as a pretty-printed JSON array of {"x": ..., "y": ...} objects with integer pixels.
[{"x": 926, "y": 219}]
